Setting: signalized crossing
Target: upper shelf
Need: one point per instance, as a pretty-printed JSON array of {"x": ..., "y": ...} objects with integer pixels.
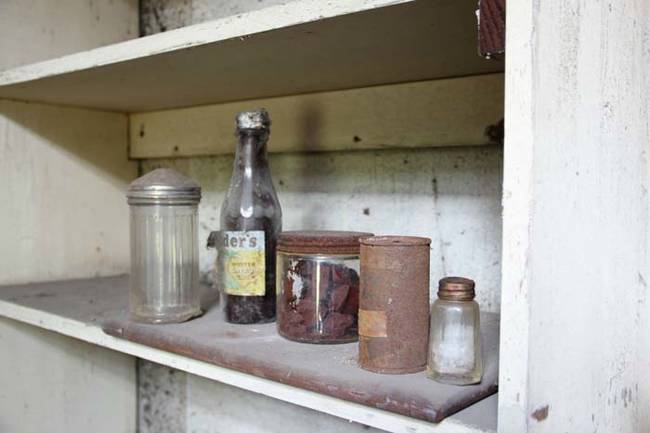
[{"x": 301, "y": 47}]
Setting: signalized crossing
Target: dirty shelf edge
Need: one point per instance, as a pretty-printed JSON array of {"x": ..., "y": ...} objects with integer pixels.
[{"x": 485, "y": 410}]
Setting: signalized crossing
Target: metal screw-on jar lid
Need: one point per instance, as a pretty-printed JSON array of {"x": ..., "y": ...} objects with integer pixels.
[
  {"x": 321, "y": 242},
  {"x": 456, "y": 289},
  {"x": 163, "y": 186},
  {"x": 256, "y": 119}
]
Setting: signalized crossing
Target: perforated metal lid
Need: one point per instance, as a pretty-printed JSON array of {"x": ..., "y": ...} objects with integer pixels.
[{"x": 163, "y": 186}]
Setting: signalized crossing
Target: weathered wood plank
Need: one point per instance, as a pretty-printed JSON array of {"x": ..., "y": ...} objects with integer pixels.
[
  {"x": 50, "y": 383},
  {"x": 303, "y": 46},
  {"x": 575, "y": 341},
  {"x": 316, "y": 376},
  {"x": 33, "y": 31},
  {"x": 63, "y": 174},
  {"x": 327, "y": 369},
  {"x": 452, "y": 112}
]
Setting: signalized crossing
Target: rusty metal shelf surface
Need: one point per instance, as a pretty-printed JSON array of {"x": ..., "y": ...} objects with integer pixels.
[{"x": 257, "y": 349}]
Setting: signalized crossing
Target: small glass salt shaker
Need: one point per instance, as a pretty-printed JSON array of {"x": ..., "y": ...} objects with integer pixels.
[{"x": 454, "y": 339}]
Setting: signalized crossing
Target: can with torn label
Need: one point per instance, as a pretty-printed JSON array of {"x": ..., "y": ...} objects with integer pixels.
[{"x": 394, "y": 304}]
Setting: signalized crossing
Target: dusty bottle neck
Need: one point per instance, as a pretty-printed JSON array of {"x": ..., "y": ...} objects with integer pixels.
[{"x": 251, "y": 149}]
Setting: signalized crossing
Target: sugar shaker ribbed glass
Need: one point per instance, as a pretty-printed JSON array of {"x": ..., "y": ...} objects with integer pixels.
[{"x": 164, "y": 248}]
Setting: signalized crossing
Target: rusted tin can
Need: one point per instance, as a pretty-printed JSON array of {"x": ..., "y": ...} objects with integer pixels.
[{"x": 394, "y": 304}]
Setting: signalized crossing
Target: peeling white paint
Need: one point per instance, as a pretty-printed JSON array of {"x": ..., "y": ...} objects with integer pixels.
[
  {"x": 53, "y": 383},
  {"x": 574, "y": 322},
  {"x": 35, "y": 30}
]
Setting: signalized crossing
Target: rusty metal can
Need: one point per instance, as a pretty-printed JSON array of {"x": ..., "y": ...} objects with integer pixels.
[{"x": 394, "y": 304}]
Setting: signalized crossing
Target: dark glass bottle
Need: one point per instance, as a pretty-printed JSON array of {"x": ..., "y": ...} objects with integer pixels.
[{"x": 251, "y": 219}]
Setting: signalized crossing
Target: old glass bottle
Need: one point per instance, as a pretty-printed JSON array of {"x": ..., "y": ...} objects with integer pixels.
[
  {"x": 251, "y": 220},
  {"x": 454, "y": 341}
]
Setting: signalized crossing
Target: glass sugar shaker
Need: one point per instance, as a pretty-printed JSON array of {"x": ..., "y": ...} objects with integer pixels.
[
  {"x": 164, "y": 248},
  {"x": 454, "y": 339}
]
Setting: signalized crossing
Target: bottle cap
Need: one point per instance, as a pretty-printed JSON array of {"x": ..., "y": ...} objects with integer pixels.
[
  {"x": 456, "y": 289},
  {"x": 256, "y": 119}
]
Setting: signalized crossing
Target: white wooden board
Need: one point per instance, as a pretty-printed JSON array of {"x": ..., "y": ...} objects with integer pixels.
[
  {"x": 575, "y": 337},
  {"x": 299, "y": 47},
  {"x": 36, "y": 30},
  {"x": 53, "y": 383},
  {"x": 63, "y": 173},
  {"x": 62, "y": 214},
  {"x": 452, "y": 112}
]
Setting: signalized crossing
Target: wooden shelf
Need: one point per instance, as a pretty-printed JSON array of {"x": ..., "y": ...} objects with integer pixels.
[
  {"x": 301, "y": 47},
  {"x": 324, "y": 378}
]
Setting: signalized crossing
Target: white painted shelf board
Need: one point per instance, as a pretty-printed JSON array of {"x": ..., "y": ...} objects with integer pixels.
[
  {"x": 302, "y": 47},
  {"x": 77, "y": 308}
]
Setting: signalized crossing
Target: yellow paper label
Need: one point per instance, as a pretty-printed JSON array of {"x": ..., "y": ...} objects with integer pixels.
[{"x": 244, "y": 263}]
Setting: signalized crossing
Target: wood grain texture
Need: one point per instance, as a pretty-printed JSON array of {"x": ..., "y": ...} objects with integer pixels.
[
  {"x": 34, "y": 30},
  {"x": 575, "y": 339},
  {"x": 300, "y": 47},
  {"x": 52, "y": 383},
  {"x": 62, "y": 170},
  {"x": 329, "y": 370},
  {"x": 453, "y": 112},
  {"x": 163, "y": 15},
  {"x": 492, "y": 28},
  {"x": 63, "y": 174}
]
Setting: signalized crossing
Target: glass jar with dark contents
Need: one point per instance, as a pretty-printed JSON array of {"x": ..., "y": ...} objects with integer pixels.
[{"x": 318, "y": 286}]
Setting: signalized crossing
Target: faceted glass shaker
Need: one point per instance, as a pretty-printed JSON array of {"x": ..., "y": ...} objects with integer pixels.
[
  {"x": 454, "y": 339},
  {"x": 164, "y": 249}
]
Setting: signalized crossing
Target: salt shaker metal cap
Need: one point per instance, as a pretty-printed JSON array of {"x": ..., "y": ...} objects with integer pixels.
[{"x": 164, "y": 186}]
